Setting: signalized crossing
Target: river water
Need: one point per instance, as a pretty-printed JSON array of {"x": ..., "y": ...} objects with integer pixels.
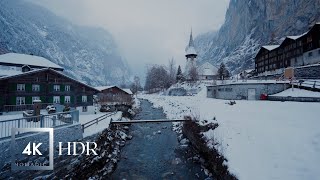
[{"x": 154, "y": 152}]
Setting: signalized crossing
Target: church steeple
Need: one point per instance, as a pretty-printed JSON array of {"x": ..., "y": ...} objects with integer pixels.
[
  {"x": 191, "y": 40},
  {"x": 190, "y": 50}
]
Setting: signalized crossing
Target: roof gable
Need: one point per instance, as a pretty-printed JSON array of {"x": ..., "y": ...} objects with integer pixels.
[{"x": 49, "y": 70}]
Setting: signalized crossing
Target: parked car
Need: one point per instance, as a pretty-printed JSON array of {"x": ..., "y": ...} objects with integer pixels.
[
  {"x": 105, "y": 108},
  {"x": 66, "y": 117},
  {"x": 51, "y": 109}
]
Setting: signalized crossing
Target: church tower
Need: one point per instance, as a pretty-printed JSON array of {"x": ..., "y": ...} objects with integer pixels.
[{"x": 191, "y": 56}]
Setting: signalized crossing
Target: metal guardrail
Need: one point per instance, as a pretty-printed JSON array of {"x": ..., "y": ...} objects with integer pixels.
[
  {"x": 97, "y": 120},
  {"x": 23, "y": 107},
  {"x": 149, "y": 121},
  {"x": 42, "y": 121},
  {"x": 307, "y": 83}
]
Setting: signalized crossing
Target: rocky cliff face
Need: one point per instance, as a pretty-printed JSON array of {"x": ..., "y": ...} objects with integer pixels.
[
  {"x": 252, "y": 23},
  {"x": 87, "y": 54}
]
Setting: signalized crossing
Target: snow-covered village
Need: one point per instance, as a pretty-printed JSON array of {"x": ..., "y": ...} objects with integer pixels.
[{"x": 164, "y": 90}]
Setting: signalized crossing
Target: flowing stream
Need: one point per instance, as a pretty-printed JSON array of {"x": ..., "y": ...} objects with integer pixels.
[{"x": 154, "y": 152}]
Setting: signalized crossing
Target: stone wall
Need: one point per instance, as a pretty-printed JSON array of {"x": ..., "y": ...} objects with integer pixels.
[
  {"x": 307, "y": 72},
  {"x": 298, "y": 99},
  {"x": 240, "y": 91},
  {"x": 61, "y": 134}
]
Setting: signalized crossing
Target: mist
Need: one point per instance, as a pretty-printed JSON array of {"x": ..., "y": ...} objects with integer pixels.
[{"x": 147, "y": 32}]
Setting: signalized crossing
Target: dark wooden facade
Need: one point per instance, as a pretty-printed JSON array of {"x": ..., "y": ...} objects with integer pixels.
[
  {"x": 290, "y": 49},
  {"x": 114, "y": 95},
  {"x": 43, "y": 84}
]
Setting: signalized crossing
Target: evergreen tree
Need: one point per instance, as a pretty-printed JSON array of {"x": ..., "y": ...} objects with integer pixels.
[
  {"x": 223, "y": 72},
  {"x": 179, "y": 76}
]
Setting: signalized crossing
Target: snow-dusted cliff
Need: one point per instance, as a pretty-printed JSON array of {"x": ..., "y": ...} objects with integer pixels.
[
  {"x": 88, "y": 54},
  {"x": 252, "y": 23}
]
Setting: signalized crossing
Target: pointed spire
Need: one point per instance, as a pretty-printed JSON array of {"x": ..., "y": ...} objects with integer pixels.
[{"x": 191, "y": 39}]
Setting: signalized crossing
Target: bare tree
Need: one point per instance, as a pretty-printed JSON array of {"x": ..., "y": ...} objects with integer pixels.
[
  {"x": 172, "y": 71},
  {"x": 193, "y": 73},
  {"x": 157, "y": 78},
  {"x": 136, "y": 86}
]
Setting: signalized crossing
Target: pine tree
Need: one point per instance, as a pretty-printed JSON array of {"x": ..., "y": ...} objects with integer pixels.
[
  {"x": 179, "y": 76},
  {"x": 223, "y": 72}
]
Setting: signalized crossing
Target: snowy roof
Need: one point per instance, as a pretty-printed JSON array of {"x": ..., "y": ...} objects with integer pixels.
[
  {"x": 128, "y": 91},
  {"x": 207, "y": 69},
  {"x": 24, "y": 59},
  {"x": 271, "y": 47},
  {"x": 100, "y": 88},
  {"x": 190, "y": 50},
  {"x": 9, "y": 72}
]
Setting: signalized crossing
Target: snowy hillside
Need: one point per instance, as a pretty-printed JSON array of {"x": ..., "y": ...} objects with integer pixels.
[
  {"x": 88, "y": 54},
  {"x": 250, "y": 24}
]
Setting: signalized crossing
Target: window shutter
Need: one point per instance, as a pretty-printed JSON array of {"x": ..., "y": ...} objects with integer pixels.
[
  {"x": 89, "y": 99},
  {"x": 42, "y": 88},
  {"x": 43, "y": 99},
  {"x": 50, "y": 99},
  {"x": 13, "y": 87},
  {"x": 28, "y": 100},
  {"x": 62, "y": 87},
  {"x": 79, "y": 99},
  {"x": 28, "y": 88},
  {"x": 61, "y": 99},
  {"x": 12, "y": 100}
]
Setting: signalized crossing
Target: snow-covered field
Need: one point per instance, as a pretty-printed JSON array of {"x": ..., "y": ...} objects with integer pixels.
[
  {"x": 260, "y": 139},
  {"x": 297, "y": 93}
]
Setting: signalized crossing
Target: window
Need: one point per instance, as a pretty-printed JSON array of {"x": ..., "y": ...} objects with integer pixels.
[
  {"x": 84, "y": 99},
  {"x": 37, "y": 79},
  {"x": 67, "y": 99},
  {"x": 83, "y": 89},
  {"x": 35, "y": 87},
  {"x": 21, "y": 87},
  {"x": 56, "y": 99},
  {"x": 56, "y": 87},
  {"x": 67, "y": 88},
  {"x": 21, "y": 100},
  {"x": 84, "y": 108},
  {"x": 310, "y": 54},
  {"x": 35, "y": 98}
]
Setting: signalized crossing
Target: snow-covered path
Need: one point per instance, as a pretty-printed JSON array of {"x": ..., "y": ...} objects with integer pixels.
[{"x": 269, "y": 140}]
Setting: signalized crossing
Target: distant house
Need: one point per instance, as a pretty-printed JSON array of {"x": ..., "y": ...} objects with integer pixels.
[
  {"x": 113, "y": 95},
  {"x": 23, "y": 82},
  {"x": 207, "y": 71}
]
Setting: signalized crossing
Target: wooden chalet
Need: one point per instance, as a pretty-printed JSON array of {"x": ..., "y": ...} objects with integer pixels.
[
  {"x": 292, "y": 52},
  {"x": 49, "y": 85},
  {"x": 113, "y": 95}
]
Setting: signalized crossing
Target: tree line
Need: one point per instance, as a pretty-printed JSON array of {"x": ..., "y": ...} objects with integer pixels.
[{"x": 160, "y": 77}]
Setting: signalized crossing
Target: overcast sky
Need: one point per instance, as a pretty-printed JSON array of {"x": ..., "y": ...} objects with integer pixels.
[{"x": 146, "y": 31}]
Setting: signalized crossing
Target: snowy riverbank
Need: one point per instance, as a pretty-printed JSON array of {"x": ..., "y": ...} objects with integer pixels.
[{"x": 269, "y": 140}]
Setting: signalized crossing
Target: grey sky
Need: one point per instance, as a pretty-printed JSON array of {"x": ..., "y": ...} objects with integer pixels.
[{"x": 147, "y": 31}]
